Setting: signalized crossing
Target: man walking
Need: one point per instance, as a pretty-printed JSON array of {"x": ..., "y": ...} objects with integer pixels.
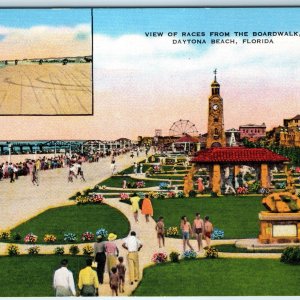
[
  {"x": 63, "y": 281},
  {"x": 88, "y": 281},
  {"x": 133, "y": 245}
]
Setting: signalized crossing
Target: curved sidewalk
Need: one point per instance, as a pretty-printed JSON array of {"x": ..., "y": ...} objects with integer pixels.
[{"x": 22, "y": 200}]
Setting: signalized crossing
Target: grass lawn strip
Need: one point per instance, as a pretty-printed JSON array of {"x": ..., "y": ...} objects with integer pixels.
[
  {"x": 76, "y": 219},
  {"x": 32, "y": 276},
  {"x": 237, "y": 216},
  {"x": 221, "y": 277}
]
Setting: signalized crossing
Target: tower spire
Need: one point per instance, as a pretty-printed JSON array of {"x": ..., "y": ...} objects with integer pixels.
[{"x": 215, "y": 72}]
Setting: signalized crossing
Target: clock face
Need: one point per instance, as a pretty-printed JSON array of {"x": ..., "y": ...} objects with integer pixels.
[{"x": 215, "y": 106}]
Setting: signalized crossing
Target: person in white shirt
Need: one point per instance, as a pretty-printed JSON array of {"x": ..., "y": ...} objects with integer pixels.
[
  {"x": 133, "y": 245},
  {"x": 63, "y": 281}
]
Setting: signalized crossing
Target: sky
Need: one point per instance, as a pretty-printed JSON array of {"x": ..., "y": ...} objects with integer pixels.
[
  {"x": 146, "y": 83},
  {"x": 38, "y": 33}
]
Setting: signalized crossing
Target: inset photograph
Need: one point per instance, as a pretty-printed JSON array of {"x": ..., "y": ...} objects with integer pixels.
[{"x": 46, "y": 62}]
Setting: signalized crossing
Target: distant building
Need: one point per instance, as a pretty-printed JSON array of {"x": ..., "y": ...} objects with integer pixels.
[
  {"x": 290, "y": 137},
  {"x": 294, "y": 122},
  {"x": 252, "y": 131},
  {"x": 287, "y": 135}
]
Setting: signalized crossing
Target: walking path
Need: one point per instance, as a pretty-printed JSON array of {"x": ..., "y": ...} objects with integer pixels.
[{"x": 21, "y": 201}]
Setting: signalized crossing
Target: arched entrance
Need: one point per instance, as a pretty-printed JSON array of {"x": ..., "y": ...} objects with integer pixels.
[{"x": 216, "y": 145}]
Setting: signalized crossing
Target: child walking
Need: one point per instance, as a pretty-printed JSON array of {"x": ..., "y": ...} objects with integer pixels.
[
  {"x": 114, "y": 281},
  {"x": 160, "y": 229},
  {"x": 121, "y": 273}
]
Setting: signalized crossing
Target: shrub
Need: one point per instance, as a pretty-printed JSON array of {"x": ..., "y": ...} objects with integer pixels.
[
  {"x": 174, "y": 256},
  {"x": 291, "y": 255},
  {"x": 180, "y": 194},
  {"x": 192, "y": 193},
  {"x": 87, "y": 236},
  {"x": 78, "y": 194},
  {"x": 70, "y": 237},
  {"x": 34, "y": 250},
  {"x": 172, "y": 231},
  {"x": 214, "y": 195},
  {"x": 13, "y": 250},
  {"x": 74, "y": 250},
  {"x": 159, "y": 257},
  {"x": 211, "y": 253},
  {"x": 17, "y": 236},
  {"x": 59, "y": 251},
  {"x": 30, "y": 238},
  {"x": 217, "y": 234},
  {"x": 88, "y": 250},
  {"x": 49, "y": 238},
  {"x": 189, "y": 254},
  {"x": 86, "y": 192},
  {"x": 4, "y": 235}
]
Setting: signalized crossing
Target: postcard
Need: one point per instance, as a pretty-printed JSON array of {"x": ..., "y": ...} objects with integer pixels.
[{"x": 149, "y": 152}]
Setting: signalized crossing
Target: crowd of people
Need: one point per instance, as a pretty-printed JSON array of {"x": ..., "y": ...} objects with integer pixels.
[
  {"x": 199, "y": 229},
  {"x": 31, "y": 167},
  {"x": 106, "y": 255}
]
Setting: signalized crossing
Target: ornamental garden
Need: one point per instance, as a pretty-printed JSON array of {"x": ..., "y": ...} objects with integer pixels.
[{"x": 34, "y": 248}]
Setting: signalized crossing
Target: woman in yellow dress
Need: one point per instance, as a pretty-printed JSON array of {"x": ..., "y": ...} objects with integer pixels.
[{"x": 135, "y": 199}]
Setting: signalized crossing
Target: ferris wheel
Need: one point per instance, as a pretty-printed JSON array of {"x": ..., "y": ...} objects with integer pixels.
[{"x": 183, "y": 127}]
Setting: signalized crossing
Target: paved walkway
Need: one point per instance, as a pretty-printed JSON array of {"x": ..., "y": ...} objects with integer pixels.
[{"x": 22, "y": 201}]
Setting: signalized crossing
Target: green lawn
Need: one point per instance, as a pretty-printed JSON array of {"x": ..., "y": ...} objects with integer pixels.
[
  {"x": 237, "y": 216},
  {"x": 232, "y": 249},
  {"x": 32, "y": 276},
  {"x": 221, "y": 277},
  {"x": 76, "y": 219},
  {"x": 117, "y": 181}
]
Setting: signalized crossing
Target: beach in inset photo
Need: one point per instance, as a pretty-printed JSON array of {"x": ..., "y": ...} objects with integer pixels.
[{"x": 45, "y": 62}]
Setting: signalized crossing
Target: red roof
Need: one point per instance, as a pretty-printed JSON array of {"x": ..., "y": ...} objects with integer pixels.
[
  {"x": 238, "y": 155},
  {"x": 187, "y": 139}
]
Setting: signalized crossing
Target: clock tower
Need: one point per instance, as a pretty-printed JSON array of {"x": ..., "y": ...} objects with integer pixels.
[{"x": 215, "y": 129}]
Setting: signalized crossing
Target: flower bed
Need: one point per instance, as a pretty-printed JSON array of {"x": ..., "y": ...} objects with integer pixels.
[
  {"x": 4, "y": 235},
  {"x": 172, "y": 231},
  {"x": 92, "y": 199},
  {"x": 124, "y": 196},
  {"x": 70, "y": 237},
  {"x": 217, "y": 234},
  {"x": 189, "y": 254},
  {"x": 88, "y": 250},
  {"x": 211, "y": 253},
  {"x": 50, "y": 238},
  {"x": 102, "y": 231},
  {"x": 159, "y": 257},
  {"x": 30, "y": 238},
  {"x": 87, "y": 236}
]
